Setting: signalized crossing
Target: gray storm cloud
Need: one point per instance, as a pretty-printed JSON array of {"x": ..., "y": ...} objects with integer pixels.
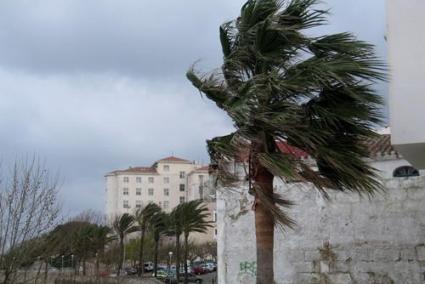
[{"x": 92, "y": 86}]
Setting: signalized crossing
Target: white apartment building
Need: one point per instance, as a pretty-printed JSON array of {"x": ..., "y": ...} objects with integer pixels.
[
  {"x": 406, "y": 45},
  {"x": 168, "y": 182}
]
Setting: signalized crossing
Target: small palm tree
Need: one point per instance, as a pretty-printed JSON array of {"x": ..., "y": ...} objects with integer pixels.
[
  {"x": 123, "y": 225},
  {"x": 194, "y": 217},
  {"x": 101, "y": 237},
  {"x": 143, "y": 218},
  {"x": 158, "y": 226},
  {"x": 281, "y": 85},
  {"x": 174, "y": 228}
]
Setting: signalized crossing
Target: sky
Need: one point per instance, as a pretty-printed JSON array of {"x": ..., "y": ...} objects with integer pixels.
[{"x": 94, "y": 86}]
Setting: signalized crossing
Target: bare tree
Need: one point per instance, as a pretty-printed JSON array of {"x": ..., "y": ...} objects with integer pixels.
[{"x": 28, "y": 209}]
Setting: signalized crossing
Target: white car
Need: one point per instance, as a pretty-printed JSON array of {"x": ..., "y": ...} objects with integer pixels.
[{"x": 149, "y": 266}]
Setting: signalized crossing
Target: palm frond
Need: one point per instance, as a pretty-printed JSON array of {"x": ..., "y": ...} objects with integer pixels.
[{"x": 278, "y": 83}]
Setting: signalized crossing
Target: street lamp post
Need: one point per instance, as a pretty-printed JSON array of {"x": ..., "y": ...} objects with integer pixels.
[
  {"x": 72, "y": 264},
  {"x": 62, "y": 263},
  {"x": 170, "y": 254}
]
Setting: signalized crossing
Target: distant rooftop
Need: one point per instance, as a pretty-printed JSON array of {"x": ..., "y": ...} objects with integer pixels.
[
  {"x": 135, "y": 170},
  {"x": 174, "y": 159},
  {"x": 153, "y": 169}
]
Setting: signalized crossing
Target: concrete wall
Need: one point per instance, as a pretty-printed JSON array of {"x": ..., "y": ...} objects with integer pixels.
[
  {"x": 406, "y": 43},
  {"x": 346, "y": 240}
]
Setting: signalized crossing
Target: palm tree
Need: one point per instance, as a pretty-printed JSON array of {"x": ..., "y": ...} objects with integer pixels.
[
  {"x": 123, "y": 225},
  {"x": 193, "y": 220},
  {"x": 158, "y": 226},
  {"x": 143, "y": 218},
  {"x": 174, "y": 228},
  {"x": 100, "y": 238},
  {"x": 281, "y": 86}
]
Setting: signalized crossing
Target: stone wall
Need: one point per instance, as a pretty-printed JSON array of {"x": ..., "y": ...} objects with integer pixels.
[{"x": 346, "y": 240}]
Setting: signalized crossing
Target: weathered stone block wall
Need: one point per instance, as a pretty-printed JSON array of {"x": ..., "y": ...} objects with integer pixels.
[{"x": 346, "y": 240}]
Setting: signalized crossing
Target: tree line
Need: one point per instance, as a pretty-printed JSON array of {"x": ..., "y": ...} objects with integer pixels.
[
  {"x": 89, "y": 238},
  {"x": 184, "y": 219}
]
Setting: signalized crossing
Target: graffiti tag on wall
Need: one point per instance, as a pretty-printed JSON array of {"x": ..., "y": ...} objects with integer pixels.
[{"x": 248, "y": 268}]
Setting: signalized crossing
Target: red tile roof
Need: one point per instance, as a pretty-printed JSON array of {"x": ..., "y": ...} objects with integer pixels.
[
  {"x": 377, "y": 146},
  {"x": 137, "y": 170},
  {"x": 285, "y": 148},
  {"x": 174, "y": 159}
]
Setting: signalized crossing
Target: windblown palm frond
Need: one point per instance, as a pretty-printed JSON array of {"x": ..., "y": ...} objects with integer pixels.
[
  {"x": 143, "y": 218},
  {"x": 123, "y": 225},
  {"x": 314, "y": 93},
  {"x": 280, "y": 85},
  {"x": 193, "y": 216}
]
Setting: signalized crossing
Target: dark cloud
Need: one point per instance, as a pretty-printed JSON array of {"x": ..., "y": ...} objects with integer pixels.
[
  {"x": 142, "y": 38},
  {"x": 92, "y": 86}
]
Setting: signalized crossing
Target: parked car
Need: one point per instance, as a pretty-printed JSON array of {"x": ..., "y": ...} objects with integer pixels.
[
  {"x": 148, "y": 266},
  {"x": 130, "y": 270},
  {"x": 210, "y": 266},
  {"x": 189, "y": 269},
  {"x": 198, "y": 269},
  {"x": 172, "y": 279},
  {"x": 160, "y": 273}
]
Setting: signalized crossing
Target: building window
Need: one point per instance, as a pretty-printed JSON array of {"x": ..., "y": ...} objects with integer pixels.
[
  {"x": 125, "y": 204},
  {"x": 166, "y": 180},
  {"x": 215, "y": 216},
  {"x": 166, "y": 168},
  {"x": 150, "y": 191},
  {"x": 405, "y": 171},
  {"x": 138, "y": 191},
  {"x": 126, "y": 179},
  {"x": 138, "y": 204},
  {"x": 181, "y": 199},
  {"x": 166, "y": 204},
  {"x": 182, "y": 174},
  {"x": 138, "y": 179},
  {"x": 215, "y": 232},
  {"x": 181, "y": 187},
  {"x": 166, "y": 191},
  {"x": 125, "y": 191},
  {"x": 151, "y": 180},
  {"x": 201, "y": 179}
]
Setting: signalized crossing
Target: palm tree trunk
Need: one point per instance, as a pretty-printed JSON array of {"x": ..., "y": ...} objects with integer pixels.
[
  {"x": 121, "y": 258},
  {"x": 155, "y": 264},
  {"x": 141, "y": 263},
  {"x": 97, "y": 265},
  {"x": 84, "y": 266},
  {"x": 264, "y": 229},
  {"x": 186, "y": 238},
  {"x": 46, "y": 269},
  {"x": 178, "y": 257}
]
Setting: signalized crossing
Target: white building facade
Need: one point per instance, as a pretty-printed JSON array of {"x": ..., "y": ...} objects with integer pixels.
[
  {"x": 406, "y": 45},
  {"x": 168, "y": 182}
]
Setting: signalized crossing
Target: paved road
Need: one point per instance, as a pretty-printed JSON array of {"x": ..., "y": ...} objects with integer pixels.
[{"x": 209, "y": 278}]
